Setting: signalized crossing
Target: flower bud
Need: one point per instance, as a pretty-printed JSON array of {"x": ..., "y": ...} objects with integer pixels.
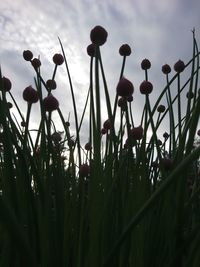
[
  {"x": 58, "y": 59},
  {"x": 27, "y": 55},
  {"x": 161, "y": 108},
  {"x": 125, "y": 50},
  {"x": 145, "y": 64},
  {"x": 84, "y": 170},
  {"x": 98, "y": 35},
  {"x": 36, "y": 63},
  {"x": 51, "y": 84},
  {"x": 179, "y": 66},
  {"x": 137, "y": 132},
  {"x": 146, "y": 88},
  {"x": 91, "y": 50},
  {"x": 30, "y": 95},
  {"x": 50, "y": 103},
  {"x": 166, "y": 69},
  {"x": 125, "y": 88},
  {"x": 6, "y": 84}
]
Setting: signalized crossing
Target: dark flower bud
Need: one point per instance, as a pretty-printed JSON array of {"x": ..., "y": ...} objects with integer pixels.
[
  {"x": 30, "y": 95},
  {"x": 88, "y": 146},
  {"x": 98, "y": 35},
  {"x": 179, "y": 66},
  {"x": 51, "y": 84},
  {"x": 56, "y": 137},
  {"x": 84, "y": 170},
  {"x": 125, "y": 50},
  {"x": 6, "y": 84},
  {"x": 9, "y": 104},
  {"x": 125, "y": 88},
  {"x": 36, "y": 63},
  {"x": 198, "y": 132},
  {"x": 137, "y": 132},
  {"x": 27, "y": 55},
  {"x": 50, "y": 103},
  {"x": 146, "y": 88},
  {"x": 107, "y": 124},
  {"x": 161, "y": 108},
  {"x": 91, "y": 50},
  {"x": 190, "y": 95},
  {"x": 58, "y": 59},
  {"x": 103, "y": 131},
  {"x": 166, "y": 135},
  {"x": 145, "y": 64},
  {"x": 166, "y": 69},
  {"x": 159, "y": 142},
  {"x": 122, "y": 103}
]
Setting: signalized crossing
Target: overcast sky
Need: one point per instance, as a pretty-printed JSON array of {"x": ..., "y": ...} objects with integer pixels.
[{"x": 155, "y": 29}]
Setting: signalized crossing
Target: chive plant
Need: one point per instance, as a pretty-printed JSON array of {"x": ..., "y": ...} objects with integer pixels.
[{"x": 123, "y": 198}]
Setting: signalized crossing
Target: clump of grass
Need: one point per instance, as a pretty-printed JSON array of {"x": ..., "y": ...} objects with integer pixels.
[{"x": 122, "y": 199}]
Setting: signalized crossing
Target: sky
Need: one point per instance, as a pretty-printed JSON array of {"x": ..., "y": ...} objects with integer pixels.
[{"x": 157, "y": 30}]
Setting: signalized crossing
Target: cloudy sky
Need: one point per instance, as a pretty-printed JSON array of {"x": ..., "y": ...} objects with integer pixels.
[{"x": 155, "y": 29}]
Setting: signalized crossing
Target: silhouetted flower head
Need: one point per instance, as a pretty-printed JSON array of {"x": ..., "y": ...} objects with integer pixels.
[
  {"x": 125, "y": 50},
  {"x": 36, "y": 63},
  {"x": 50, "y": 103},
  {"x": 179, "y": 66},
  {"x": 166, "y": 69},
  {"x": 56, "y": 137},
  {"x": 145, "y": 64},
  {"x": 9, "y": 104},
  {"x": 7, "y": 85},
  {"x": 84, "y": 170},
  {"x": 146, "y": 87},
  {"x": 27, "y": 55},
  {"x": 51, "y": 84},
  {"x": 91, "y": 50},
  {"x": 107, "y": 124},
  {"x": 125, "y": 87},
  {"x": 122, "y": 103},
  {"x": 190, "y": 95},
  {"x": 161, "y": 108},
  {"x": 58, "y": 59},
  {"x": 30, "y": 95},
  {"x": 159, "y": 142},
  {"x": 88, "y": 146},
  {"x": 98, "y": 35},
  {"x": 166, "y": 135},
  {"x": 137, "y": 132},
  {"x": 198, "y": 132},
  {"x": 103, "y": 131}
]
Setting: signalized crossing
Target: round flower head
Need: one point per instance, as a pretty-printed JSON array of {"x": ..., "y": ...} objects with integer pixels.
[
  {"x": 190, "y": 95},
  {"x": 30, "y": 95},
  {"x": 103, "y": 131},
  {"x": 56, "y": 137},
  {"x": 50, "y": 103},
  {"x": 137, "y": 132},
  {"x": 179, "y": 66},
  {"x": 36, "y": 63},
  {"x": 107, "y": 124},
  {"x": 161, "y": 108},
  {"x": 125, "y": 88},
  {"x": 98, "y": 35},
  {"x": 91, "y": 50},
  {"x": 198, "y": 132},
  {"x": 51, "y": 84},
  {"x": 122, "y": 103},
  {"x": 27, "y": 55},
  {"x": 88, "y": 146},
  {"x": 166, "y": 69},
  {"x": 84, "y": 170},
  {"x": 146, "y": 88},
  {"x": 9, "y": 104},
  {"x": 58, "y": 59},
  {"x": 6, "y": 84},
  {"x": 145, "y": 64},
  {"x": 166, "y": 135},
  {"x": 125, "y": 50}
]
